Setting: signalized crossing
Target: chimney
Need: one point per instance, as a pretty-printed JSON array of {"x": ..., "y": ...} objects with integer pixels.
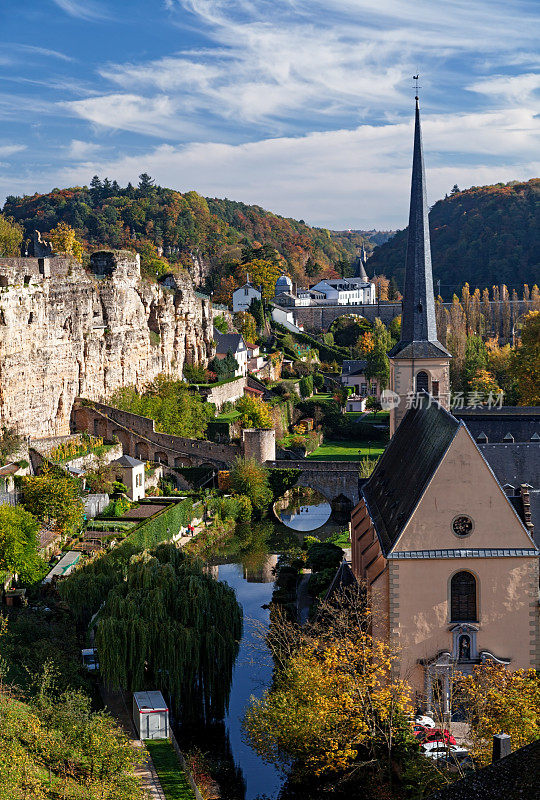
[{"x": 502, "y": 746}]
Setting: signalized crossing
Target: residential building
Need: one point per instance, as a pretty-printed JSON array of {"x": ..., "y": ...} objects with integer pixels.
[
  {"x": 353, "y": 375},
  {"x": 232, "y": 343},
  {"x": 131, "y": 473},
  {"x": 418, "y": 362},
  {"x": 243, "y": 297}
]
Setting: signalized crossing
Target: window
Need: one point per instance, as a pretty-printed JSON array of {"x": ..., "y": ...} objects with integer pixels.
[
  {"x": 422, "y": 382},
  {"x": 463, "y": 597},
  {"x": 435, "y": 388},
  {"x": 246, "y": 291}
]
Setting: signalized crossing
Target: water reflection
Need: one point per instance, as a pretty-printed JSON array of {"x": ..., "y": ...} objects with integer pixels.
[{"x": 303, "y": 509}]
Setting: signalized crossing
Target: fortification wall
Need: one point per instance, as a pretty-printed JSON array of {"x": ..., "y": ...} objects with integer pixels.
[{"x": 66, "y": 332}]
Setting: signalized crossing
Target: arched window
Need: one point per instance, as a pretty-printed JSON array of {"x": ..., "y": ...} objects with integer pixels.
[
  {"x": 463, "y": 597},
  {"x": 422, "y": 382}
]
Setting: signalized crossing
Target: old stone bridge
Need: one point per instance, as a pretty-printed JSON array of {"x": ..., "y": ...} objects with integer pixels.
[{"x": 336, "y": 480}]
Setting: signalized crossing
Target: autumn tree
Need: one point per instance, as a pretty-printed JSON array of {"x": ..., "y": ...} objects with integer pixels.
[
  {"x": 11, "y": 236},
  {"x": 336, "y": 705},
  {"x": 499, "y": 699},
  {"x": 64, "y": 240},
  {"x": 224, "y": 292},
  {"x": 525, "y": 365},
  {"x": 262, "y": 272},
  {"x": 245, "y": 323},
  {"x": 53, "y": 497},
  {"x": 381, "y": 286},
  {"x": 254, "y": 412}
]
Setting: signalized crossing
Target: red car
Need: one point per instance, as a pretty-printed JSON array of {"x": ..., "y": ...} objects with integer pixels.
[{"x": 423, "y": 735}]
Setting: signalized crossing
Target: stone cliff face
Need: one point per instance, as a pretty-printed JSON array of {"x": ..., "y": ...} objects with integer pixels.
[{"x": 66, "y": 332}]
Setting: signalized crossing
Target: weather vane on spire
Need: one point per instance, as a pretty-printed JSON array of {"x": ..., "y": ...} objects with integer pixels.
[{"x": 416, "y": 87}]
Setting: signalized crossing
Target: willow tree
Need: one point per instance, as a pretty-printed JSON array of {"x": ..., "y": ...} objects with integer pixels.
[{"x": 170, "y": 625}]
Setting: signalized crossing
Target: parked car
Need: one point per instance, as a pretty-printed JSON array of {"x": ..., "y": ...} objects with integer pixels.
[
  {"x": 424, "y": 735},
  {"x": 451, "y": 756},
  {"x": 425, "y": 722}
]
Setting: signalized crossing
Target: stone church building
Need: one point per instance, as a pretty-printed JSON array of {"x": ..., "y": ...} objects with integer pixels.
[{"x": 447, "y": 556}]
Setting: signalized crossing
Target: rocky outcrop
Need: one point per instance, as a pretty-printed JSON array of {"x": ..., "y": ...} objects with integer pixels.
[{"x": 67, "y": 332}]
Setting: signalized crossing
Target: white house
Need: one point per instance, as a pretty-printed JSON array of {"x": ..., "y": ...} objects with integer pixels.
[
  {"x": 353, "y": 375},
  {"x": 132, "y": 473},
  {"x": 346, "y": 291},
  {"x": 235, "y": 344},
  {"x": 243, "y": 296}
]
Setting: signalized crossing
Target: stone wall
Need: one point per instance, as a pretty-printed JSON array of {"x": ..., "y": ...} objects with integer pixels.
[
  {"x": 225, "y": 392},
  {"x": 66, "y": 332},
  {"x": 139, "y": 439}
]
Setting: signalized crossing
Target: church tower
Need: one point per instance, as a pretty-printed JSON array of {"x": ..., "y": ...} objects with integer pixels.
[{"x": 418, "y": 361}]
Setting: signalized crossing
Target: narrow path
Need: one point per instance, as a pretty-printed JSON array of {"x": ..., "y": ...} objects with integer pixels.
[
  {"x": 115, "y": 704},
  {"x": 303, "y": 599}
]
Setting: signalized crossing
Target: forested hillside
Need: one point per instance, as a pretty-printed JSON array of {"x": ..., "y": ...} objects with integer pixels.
[
  {"x": 181, "y": 228},
  {"x": 486, "y": 235}
]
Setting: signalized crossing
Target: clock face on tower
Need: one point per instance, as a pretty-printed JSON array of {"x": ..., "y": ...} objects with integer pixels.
[{"x": 462, "y": 525}]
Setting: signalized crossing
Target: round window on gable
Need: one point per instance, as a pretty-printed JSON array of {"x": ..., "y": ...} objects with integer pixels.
[{"x": 462, "y": 525}]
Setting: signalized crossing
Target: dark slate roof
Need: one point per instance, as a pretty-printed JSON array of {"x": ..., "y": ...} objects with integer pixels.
[
  {"x": 514, "y": 463},
  {"x": 227, "y": 341},
  {"x": 512, "y": 777},
  {"x": 406, "y": 467},
  {"x": 360, "y": 269},
  {"x": 353, "y": 367},
  {"x": 418, "y": 323},
  {"x": 128, "y": 461},
  {"x": 343, "y": 579},
  {"x": 521, "y": 422},
  {"x": 418, "y": 350}
]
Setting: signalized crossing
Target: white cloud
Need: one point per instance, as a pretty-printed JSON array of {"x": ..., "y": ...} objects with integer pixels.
[
  {"x": 78, "y": 149},
  {"x": 343, "y": 178},
  {"x": 11, "y": 149},
  {"x": 82, "y": 9},
  {"x": 42, "y": 51},
  {"x": 509, "y": 88},
  {"x": 156, "y": 116}
]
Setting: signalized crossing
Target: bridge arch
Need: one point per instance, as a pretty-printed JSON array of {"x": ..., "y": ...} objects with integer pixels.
[
  {"x": 141, "y": 451},
  {"x": 161, "y": 458}
]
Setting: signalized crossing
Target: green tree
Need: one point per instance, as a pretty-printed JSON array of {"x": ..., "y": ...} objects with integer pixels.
[
  {"x": 251, "y": 479},
  {"x": 224, "y": 368},
  {"x": 476, "y": 360},
  {"x": 11, "y": 237},
  {"x": 221, "y": 323},
  {"x": 262, "y": 272},
  {"x": 306, "y": 386},
  {"x": 378, "y": 365},
  {"x": 19, "y": 543},
  {"x": 53, "y": 497},
  {"x": 186, "y": 626},
  {"x": 256, "y": 309}
]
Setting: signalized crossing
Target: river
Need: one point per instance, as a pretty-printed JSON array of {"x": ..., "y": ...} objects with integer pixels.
[{"x": 246, "y": 564}]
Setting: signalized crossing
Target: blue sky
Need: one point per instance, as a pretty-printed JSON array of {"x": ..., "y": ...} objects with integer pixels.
[{"x": 302, "y": 106}]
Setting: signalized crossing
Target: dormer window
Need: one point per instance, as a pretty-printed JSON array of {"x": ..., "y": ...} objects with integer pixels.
[
  {"x": 508, "y": 438},
  {"x": 482, "y": 438}
]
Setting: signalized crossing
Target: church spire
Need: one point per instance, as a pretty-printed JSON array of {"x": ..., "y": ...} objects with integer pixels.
[{"x": 418, "y": 323}]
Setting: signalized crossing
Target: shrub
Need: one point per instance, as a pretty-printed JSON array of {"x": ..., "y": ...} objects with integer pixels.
[{"x": 324, "y": 555}]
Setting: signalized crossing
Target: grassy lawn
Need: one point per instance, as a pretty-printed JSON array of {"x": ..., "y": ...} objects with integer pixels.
[
  {"x": 171, "y": 775},
  {"x": 346, "y": 451},
  {"x": 230, "y": 416},
  {"x": 380, "y": 418}
]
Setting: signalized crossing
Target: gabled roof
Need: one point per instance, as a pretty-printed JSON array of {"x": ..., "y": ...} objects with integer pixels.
[
  {"x": 353, "y": 367},
  {"x": 406, "y": 467},
  {"x": 515, "y": 776},
  {"x": 128, "y": 461},
  {"x": 227, "y": 341}
]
